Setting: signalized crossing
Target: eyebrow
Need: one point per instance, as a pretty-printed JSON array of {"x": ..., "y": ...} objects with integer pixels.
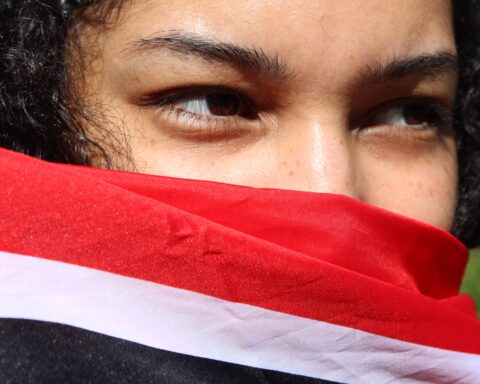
[
  {"x": 252, "y": 60},
  {"x": 256, "y": 61},
  {"x": 426, "y": 65}
]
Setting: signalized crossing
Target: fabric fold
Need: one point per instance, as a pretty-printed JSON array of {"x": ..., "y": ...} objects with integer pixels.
[{"x": 327, "y": 259}]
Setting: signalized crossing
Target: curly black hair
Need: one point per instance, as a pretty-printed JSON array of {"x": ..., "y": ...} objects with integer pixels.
[
  {"x": 467, "y": 121},
  {"x": 40, "y": 117}
]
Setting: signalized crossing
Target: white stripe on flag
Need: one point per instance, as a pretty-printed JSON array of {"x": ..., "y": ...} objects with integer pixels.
[{"x": 186, "y": 322}]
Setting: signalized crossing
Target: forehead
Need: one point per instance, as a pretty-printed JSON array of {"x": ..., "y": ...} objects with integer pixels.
[
  {"x": 290, "y": 24},
  {"x": 327, "y": 36}
]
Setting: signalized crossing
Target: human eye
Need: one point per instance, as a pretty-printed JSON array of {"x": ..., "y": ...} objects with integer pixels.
[
  {"x": 206, "y": 113},
  {"x": 212, "y": 103},
  {"x": 414, "y": 115}
]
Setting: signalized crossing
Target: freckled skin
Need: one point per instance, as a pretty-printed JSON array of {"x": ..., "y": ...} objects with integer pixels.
[{"x": 306, "y": 140}]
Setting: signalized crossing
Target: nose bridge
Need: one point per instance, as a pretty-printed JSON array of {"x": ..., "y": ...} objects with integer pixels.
[{"x": 319, "y": 157}]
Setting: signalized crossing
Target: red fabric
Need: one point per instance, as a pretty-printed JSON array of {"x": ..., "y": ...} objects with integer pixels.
[{"x": 321, "y": 256}]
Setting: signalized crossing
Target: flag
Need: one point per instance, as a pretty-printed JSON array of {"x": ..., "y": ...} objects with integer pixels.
[{"x": 116, "y": 277}]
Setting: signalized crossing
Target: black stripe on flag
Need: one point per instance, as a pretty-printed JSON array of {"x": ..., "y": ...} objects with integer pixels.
[{"x": 42, "y": 352}]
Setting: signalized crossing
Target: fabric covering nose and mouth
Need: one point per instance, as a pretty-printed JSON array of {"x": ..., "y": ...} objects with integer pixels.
[{"x": 118, "y": 277}]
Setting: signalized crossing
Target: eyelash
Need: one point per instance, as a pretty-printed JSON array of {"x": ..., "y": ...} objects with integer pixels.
[
  {"x": 204, "y": 127},
  {"x": 440, "y": 114},
  {"x": 213, "y": 128}
]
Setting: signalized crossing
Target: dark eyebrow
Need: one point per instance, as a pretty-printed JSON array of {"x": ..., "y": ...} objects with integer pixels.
[
  {"x": 434, "y": 64},
  {"x": 252, "y": 60}
]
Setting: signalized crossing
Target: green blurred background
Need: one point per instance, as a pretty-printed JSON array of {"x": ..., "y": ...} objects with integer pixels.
[{"x": 471, "y": 281}]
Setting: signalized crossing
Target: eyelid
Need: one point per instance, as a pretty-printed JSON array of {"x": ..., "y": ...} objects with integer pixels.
[
  {"x": 193, "y": 126},
  {"x": 175, "y": 94},
  {"x": 443, "y": 112}
]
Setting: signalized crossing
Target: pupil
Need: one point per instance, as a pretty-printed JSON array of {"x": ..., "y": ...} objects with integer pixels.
[
  {"x": 418, "y": 114},
  {"x": 223, "y": 104}
]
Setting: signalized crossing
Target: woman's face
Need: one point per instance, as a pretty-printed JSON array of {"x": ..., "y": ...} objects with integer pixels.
[{"x": 342, "y": 96}]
